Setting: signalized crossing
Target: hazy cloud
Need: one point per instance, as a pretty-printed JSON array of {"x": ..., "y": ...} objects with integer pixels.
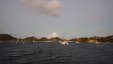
[
  {"x": 54, "y": 34},
  {"x": 46, "y": 7}
]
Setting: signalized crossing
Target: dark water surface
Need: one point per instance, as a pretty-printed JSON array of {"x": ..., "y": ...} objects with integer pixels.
[{"x": 49, "y": 53}]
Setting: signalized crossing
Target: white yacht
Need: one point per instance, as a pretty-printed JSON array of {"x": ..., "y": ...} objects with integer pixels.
[
  {"x": 77, "y": 42},
  {"x": 64, "y": 42}
]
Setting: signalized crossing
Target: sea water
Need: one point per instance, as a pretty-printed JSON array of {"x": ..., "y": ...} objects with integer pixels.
[{"x": 55, "y": 53}]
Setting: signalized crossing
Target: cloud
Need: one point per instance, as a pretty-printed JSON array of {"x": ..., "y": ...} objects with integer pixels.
[
  {"x": 53, "y": 35},
  {"x": 44, "y": 7}
]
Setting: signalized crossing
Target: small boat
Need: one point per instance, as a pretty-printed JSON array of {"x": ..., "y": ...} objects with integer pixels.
[
  {"x": 64, "y": 42},
  {"x": 77, "y": 42},
  {"x": 97, "y": 42}
]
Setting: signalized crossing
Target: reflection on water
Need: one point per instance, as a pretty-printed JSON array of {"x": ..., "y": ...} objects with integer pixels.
[{"x": 48, "y": 53}]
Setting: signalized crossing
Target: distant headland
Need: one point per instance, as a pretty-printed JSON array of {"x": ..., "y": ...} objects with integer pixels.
[{"x": 93, "y": 39}]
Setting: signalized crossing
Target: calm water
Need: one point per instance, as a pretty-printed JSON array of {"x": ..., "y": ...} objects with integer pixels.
[{"x": 48, "y": 53}]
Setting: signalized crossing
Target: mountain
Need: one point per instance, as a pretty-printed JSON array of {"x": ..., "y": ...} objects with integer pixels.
[{"x": 6, "y": 37}]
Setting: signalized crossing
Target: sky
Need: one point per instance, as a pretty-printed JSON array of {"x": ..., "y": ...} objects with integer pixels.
[{"x": 62, "y": 18}]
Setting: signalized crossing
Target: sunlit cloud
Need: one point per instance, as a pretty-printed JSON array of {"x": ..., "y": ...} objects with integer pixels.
[
  {"x": 53, "y": 35},
  {"x": 44, "y": 7}
]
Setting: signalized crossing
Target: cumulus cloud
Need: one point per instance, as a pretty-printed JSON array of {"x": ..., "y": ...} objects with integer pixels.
[
  {"x": 53, "y": 35},
  {"x": 45, "y": 7}
]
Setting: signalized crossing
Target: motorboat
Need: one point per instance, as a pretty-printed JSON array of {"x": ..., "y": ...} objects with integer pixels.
[{"x": 64, "y": 42}]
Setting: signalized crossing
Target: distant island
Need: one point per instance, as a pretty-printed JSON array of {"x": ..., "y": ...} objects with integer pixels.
[{"x": 93, "y": 39}]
